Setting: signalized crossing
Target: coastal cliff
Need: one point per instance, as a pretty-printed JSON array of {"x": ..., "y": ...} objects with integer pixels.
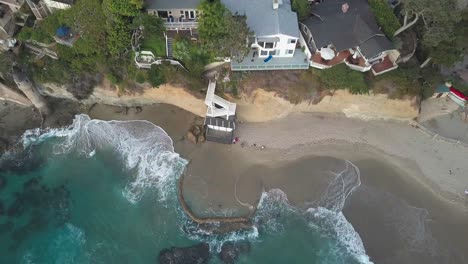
[{"x": 259, "y": 106}]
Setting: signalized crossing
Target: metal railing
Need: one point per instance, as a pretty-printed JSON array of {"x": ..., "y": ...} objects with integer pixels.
[{"x": 187, "y": 24}]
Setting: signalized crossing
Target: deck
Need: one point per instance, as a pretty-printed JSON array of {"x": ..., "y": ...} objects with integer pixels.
[
  {"x": 255, "y": 63},
  {"x": 339, "y": 58},
  {"x": 386, "y": 65}
]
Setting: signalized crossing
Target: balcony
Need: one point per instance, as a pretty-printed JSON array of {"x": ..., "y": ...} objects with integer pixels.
[
  {"x": 385, "y": 65},
  {"x": 180, "y": 24},
  {"x": 254, "y": 63}
]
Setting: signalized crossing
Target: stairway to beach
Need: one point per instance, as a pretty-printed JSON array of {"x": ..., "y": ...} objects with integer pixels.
[{"x": 169, "y": 48}]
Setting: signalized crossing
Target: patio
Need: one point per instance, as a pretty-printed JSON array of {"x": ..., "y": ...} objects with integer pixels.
[
  {"x": 339, "y": 58},
  {"x": 254, "y": 63},
  {"x": 384, "y": 66}
]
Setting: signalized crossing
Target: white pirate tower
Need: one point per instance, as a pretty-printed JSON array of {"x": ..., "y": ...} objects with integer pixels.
[{"x": 220, "y": 119}]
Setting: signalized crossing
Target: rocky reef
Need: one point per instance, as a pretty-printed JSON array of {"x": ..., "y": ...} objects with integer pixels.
[{"x": 197, "y": 254}]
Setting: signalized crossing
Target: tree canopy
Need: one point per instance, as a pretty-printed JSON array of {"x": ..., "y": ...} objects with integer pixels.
[
  {"x": 211, "y": 23},
  {"x": 450, "y": 51},
  {"x": 302, "y": 8},
  {"x": 222, "y": 32},
  {"x": 438, "y": 17}
]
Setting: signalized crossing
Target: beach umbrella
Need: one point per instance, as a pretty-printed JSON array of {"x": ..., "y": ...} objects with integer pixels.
[{"x": 327, "y": 53}]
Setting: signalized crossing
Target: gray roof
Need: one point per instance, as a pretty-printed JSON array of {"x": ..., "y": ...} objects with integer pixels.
[
  {"x": 356, "y": 27},
  {"x": 172, "y": 4},
  {"x": 263, "y": 20}
]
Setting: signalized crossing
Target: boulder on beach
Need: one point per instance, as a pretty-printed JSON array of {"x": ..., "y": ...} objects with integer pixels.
[
  {"x": 197, "y": 254},
  {"x": 230, "y": 251},
  {"x": 196, "y": 134}
]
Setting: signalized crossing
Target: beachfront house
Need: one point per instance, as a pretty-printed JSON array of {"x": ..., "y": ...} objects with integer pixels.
[
  {"x": 275, "y": 44},
  {"x": 43, "y": 8},
  {"x": 220, "y": 118},
  {"x": 7, "y": 26},
  {"x": 14, "y": 5},
  {"x": 346, "y": 32},
  {"x": 177, "y": 14}
]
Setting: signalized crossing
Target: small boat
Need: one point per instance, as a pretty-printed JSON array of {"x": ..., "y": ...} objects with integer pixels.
[{"x": 458, "y": 97}]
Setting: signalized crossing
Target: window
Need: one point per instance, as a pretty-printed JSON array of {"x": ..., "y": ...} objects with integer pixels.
[
  {"x": 170, "y": 12},
  {"x": 261, "y": 44},
  {"x": 181, "y": 12},
  {"x": 263, "y": 52},
  {"x": 272, "y": 52},
  {"x": 290, "y": 51},
  {"x": 292, "y": 41},
  {"x": 269, "y": 45}
]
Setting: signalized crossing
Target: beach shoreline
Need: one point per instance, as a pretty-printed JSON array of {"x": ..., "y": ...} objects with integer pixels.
[{"x": 414, "y": 170}]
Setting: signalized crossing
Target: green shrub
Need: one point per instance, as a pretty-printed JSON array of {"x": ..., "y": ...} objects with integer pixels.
[
  {"x": 156, "y": 76},
  {"x": 140, "y": 77},
  {"x": 342, "y": 77},
  {"x": 385, "y": 17},
  {"x": 112, "y": 78}
]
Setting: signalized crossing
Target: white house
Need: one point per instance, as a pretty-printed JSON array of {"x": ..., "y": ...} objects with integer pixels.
[
  {"x": 276, "y": 35},
  {"x": 14, "y": 5},
  {"x": 43, "y": 8}
]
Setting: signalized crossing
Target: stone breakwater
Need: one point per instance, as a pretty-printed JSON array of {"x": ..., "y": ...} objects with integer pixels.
[{"x": 216, "y": 225}]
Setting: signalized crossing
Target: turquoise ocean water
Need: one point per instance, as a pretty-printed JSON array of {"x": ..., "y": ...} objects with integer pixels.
[{"x": 105, "y": 192}]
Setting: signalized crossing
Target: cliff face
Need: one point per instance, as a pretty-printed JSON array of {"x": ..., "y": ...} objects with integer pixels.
[{"x": 260, "y": 106}]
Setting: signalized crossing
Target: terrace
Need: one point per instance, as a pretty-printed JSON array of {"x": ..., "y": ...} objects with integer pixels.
[
  {"x": 385, "y": 65},
  {"x": 180, "y": 24},
  {"x": 252, "y": 62}
]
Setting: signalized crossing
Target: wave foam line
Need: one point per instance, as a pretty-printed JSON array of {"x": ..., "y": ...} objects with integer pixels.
[{"x": 143, "y": 147}]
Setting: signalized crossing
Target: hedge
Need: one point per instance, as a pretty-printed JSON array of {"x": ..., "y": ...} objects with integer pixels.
[{"x": 385, "y": 17}]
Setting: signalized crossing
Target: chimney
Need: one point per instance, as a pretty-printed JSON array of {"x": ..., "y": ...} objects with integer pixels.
[
  {"x": 275, "y": 4},
  {"x": 345, "y": 7}
]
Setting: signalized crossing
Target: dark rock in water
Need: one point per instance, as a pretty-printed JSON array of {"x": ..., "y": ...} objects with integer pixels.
[
  {"x": 17, "y": 208},
  {"x": 230, "y": 251},
  {"x": 6, "y": 227},
  {"x": 22, "y": 161},
  {"x": 31, "y": 184},
  {"x": 3, "y": 182},
  {"x": 2, "y": 208},
  {"x": 198, "y": 254}
]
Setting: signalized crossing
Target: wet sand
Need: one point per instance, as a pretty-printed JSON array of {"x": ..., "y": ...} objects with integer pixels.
[{"x": 398, "y": 210}]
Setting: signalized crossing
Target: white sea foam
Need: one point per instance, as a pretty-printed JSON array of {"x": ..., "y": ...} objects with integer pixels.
[
  {"x": 326, "y": 218},
  {"x": 335, "y": 226},
  {"x": 143, "y": 147}
]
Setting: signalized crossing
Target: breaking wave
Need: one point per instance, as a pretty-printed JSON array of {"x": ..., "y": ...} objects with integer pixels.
[
  {"x": 144, "y": 149},
  {"x": 324, "y": 218},
  {"x": 339, "y": 242}
]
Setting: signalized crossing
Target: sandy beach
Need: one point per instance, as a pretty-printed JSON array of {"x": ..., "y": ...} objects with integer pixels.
[{"x": 409, "y": 208}]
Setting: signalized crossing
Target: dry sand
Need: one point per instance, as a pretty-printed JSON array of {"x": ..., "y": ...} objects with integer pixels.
[{"x": 260, "y": 106}]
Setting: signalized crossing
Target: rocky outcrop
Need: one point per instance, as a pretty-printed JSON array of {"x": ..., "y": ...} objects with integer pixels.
[
  {"x": 196, "y": 134},
  {"x": 197, "y": 254},
  {"x": 27, "y": 87},
  {"x": 230, "y": 251}
]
